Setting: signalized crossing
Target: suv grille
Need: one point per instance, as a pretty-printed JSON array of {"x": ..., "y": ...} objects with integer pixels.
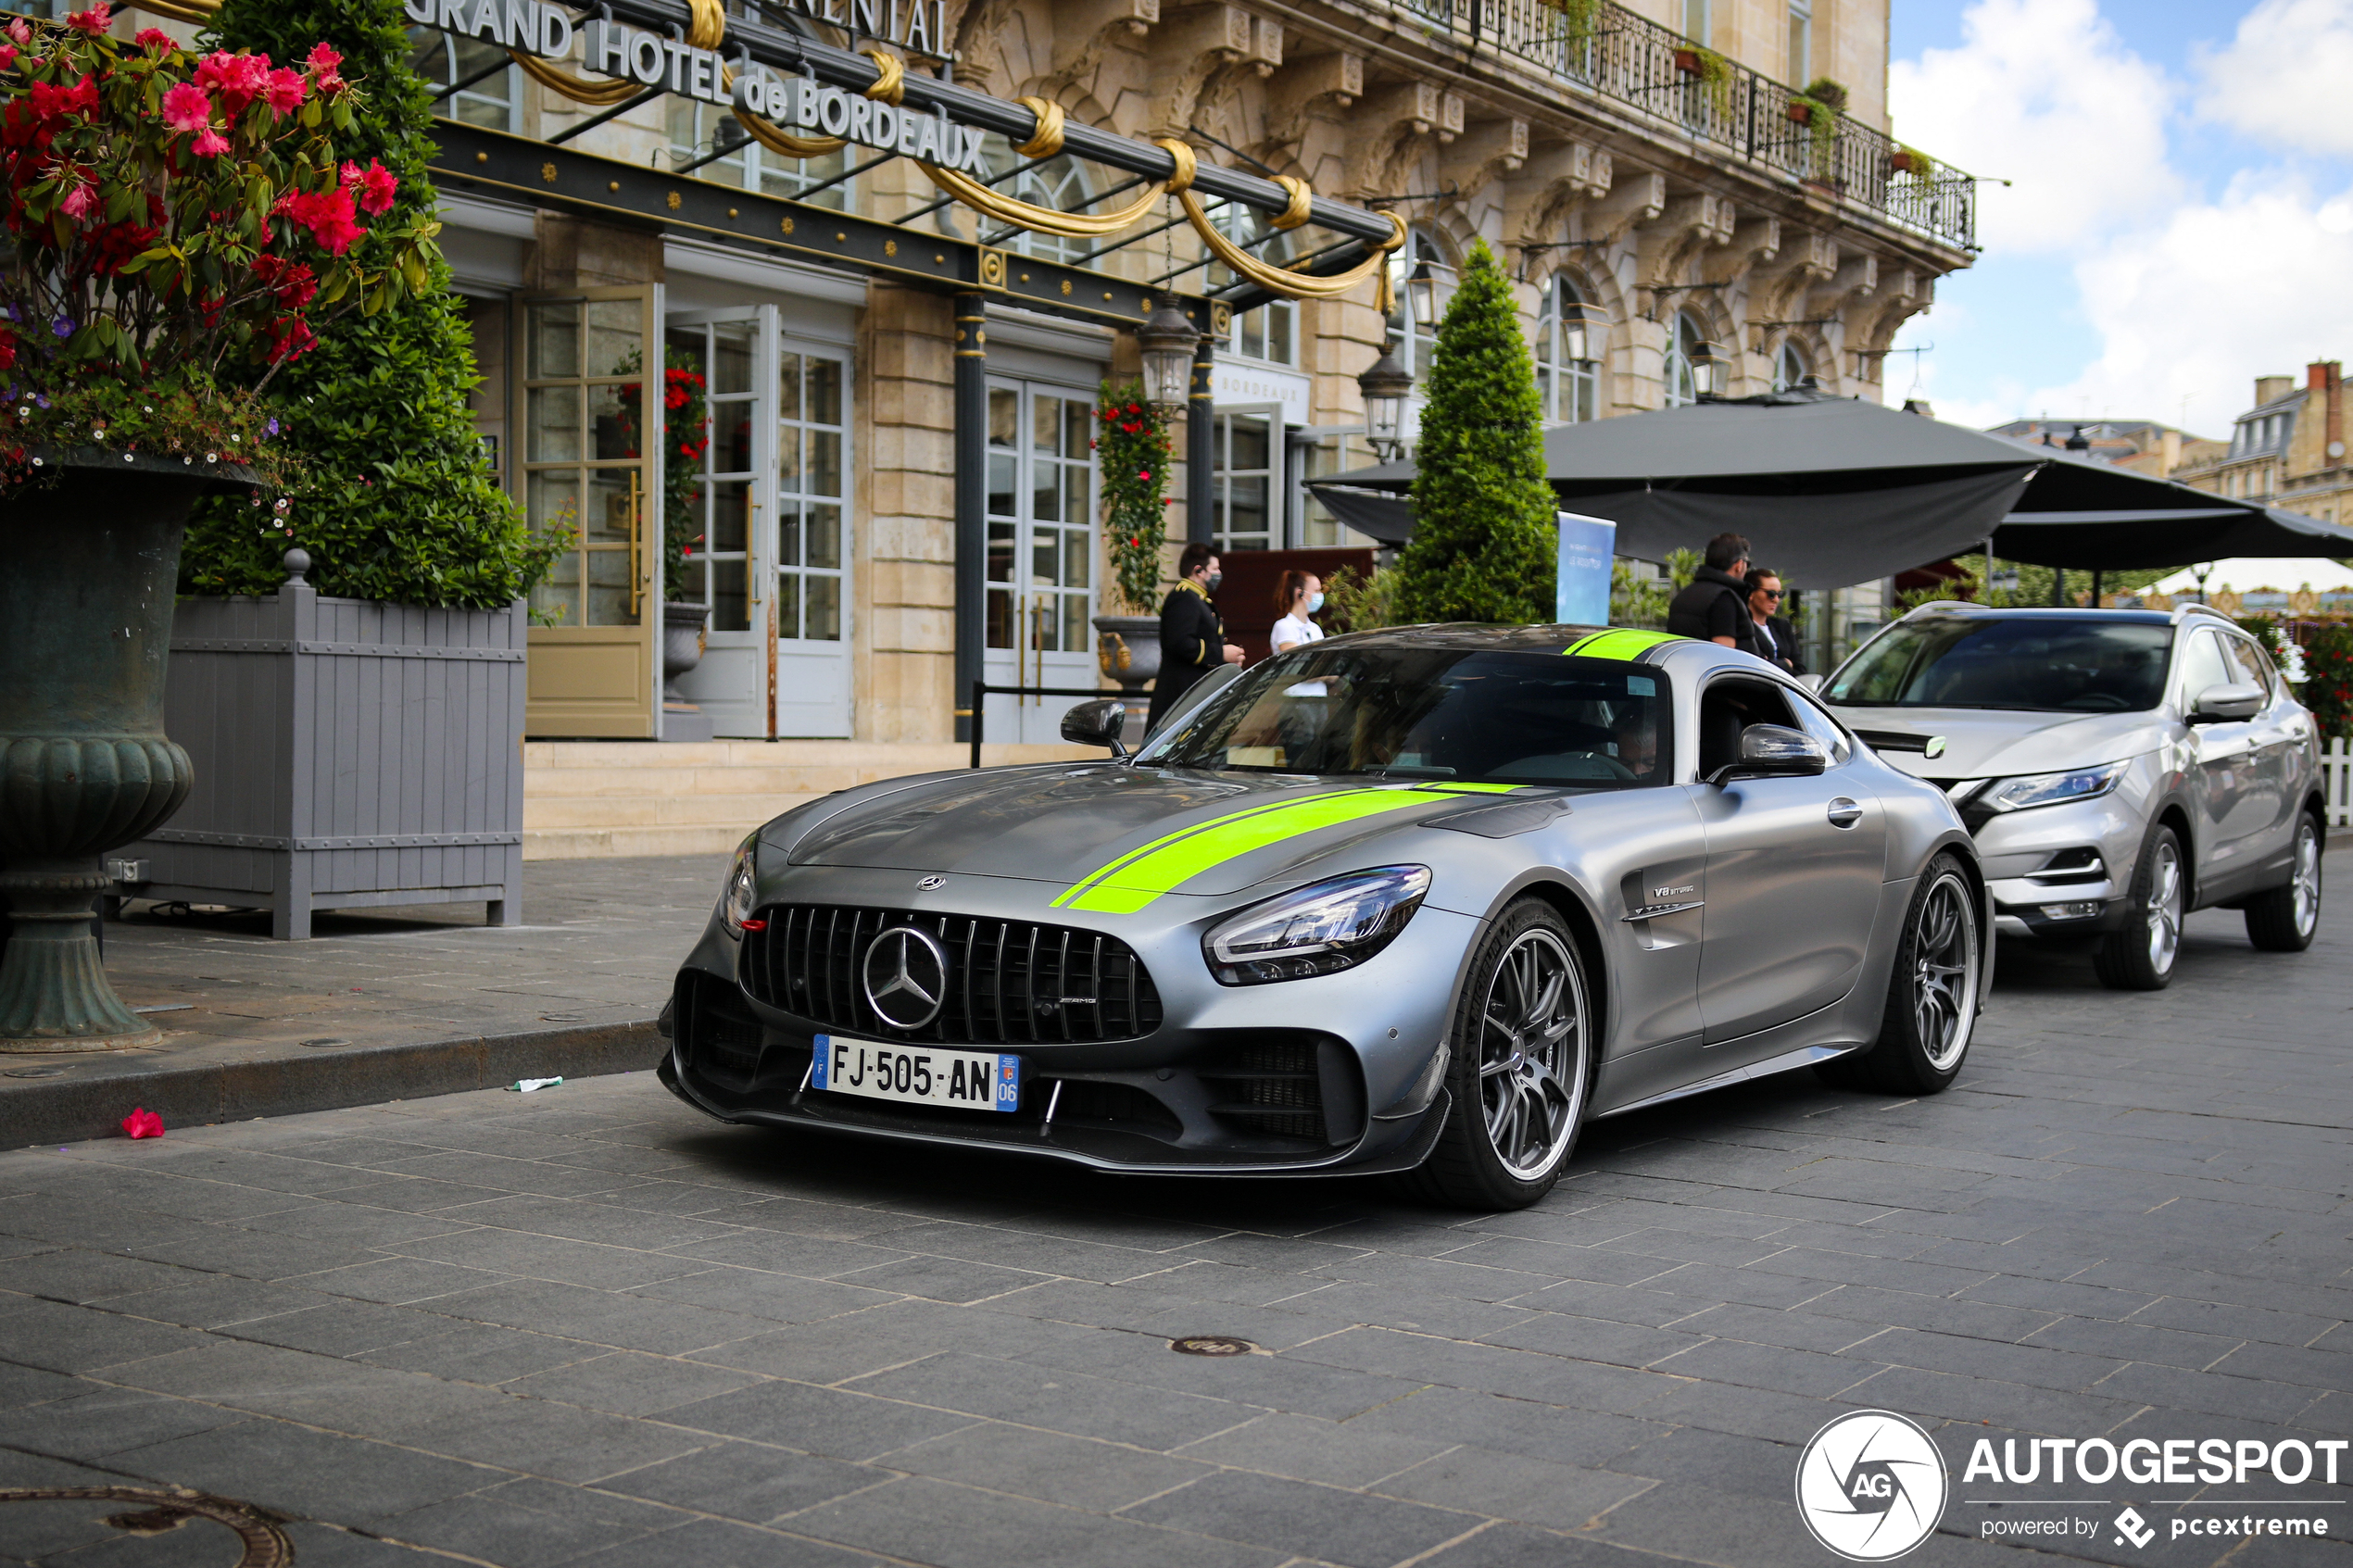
[{"x": 1009, "y": 982}]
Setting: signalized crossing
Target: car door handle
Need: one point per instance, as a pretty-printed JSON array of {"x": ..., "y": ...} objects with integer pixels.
[{"x": 1844, "y": 813}]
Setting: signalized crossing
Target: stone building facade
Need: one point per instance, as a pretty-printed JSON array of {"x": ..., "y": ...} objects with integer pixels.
[{"x": 2287, "y": 450}]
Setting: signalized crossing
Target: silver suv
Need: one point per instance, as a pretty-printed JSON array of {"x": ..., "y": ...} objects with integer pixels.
[{"x": 2118, "y": 768}]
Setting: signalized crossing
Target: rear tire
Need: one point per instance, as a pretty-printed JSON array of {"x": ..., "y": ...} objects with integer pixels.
[
  {"x": 1932, "y": 997},
  {"x": 2141, "y": 956},
  {"x": 2285, "y": 919},
  {"x": 1519, "y": 1068}
]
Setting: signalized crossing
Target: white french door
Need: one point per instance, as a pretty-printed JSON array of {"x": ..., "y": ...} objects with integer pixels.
[
  {"x": 1041, "y": 554},
  {"x": 772, "y": 561}
]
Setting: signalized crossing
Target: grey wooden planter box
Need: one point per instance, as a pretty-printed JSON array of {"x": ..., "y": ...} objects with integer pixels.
[{"x": 347, "y": 752}]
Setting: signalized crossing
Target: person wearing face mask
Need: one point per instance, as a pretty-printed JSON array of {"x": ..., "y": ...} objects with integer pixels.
[
  {"x": 1192, "y": 637},
  {"x": 1299, "y": 598}
]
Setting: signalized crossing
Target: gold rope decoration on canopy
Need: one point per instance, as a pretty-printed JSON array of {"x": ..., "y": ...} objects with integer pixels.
[
  {"x": 706, "y": 28},
  {"x": 1303, "y": 202},
  {"x": 1284, "y": 280},
  {"x": 1047, "y": 140},
  {"x": 890, "y": 87},
  {"x": 989, "y": 202}
]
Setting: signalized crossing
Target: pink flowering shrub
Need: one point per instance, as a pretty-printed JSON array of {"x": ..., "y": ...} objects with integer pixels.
[{"x": 171, "y": 216}]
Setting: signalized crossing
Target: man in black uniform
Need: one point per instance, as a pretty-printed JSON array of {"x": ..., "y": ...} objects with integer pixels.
[
  {"x": 1714, "y": 607},
  {"x": 1192, "y": 639}
]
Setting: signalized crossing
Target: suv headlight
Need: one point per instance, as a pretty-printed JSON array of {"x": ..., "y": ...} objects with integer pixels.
[
  {"x": 735, "y": 903},
  {"x": 1317, "y": 929},
  {"x": 2052, "y": 789}
]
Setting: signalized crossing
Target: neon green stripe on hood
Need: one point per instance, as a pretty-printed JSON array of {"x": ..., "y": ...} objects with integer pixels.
[{"x": 1138, "y": 878}]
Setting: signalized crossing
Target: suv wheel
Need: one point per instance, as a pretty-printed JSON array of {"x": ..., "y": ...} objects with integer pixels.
[
  {"x": 2283, "y": 920},
  {"x": 2140, "y": 956}
]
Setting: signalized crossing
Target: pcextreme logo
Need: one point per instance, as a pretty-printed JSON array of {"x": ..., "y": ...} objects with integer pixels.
[{"x": 1871, "y": 1485}]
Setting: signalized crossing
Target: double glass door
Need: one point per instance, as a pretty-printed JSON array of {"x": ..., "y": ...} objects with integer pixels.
[
  {"x": 1041, "y": 554},
  {"x": 771, "y": 515}
]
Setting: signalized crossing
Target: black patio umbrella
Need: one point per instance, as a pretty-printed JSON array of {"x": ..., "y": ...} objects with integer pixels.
[{"x": 1832, "y": 490}]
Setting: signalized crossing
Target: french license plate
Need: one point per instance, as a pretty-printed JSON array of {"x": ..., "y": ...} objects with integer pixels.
[{"x": 916, "y": 1074}]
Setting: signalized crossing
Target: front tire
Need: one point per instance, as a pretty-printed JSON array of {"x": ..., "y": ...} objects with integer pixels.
[
  {"x": 1520, "y": 1065},
  {"x": 1932, "y": 997},
  {"x": 2283, "y": 920},
  {"x": 2141, "y": 956}
]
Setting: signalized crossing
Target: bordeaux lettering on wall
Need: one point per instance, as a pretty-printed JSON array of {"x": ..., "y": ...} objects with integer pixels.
[{"x": 806, "y": 107}]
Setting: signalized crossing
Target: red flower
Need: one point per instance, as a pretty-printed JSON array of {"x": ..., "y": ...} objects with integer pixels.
[
  {"x": 208, "y": 143},
  {"x": 285, "y": 90},
  {"x": 186, "y": 107},
  {"x": 327, "y": 216},
  {"x": 153, "y": 38},
  {"x": 95, "y": 21},
  {"x": 323, "y": 61},
  {"x": 52, "y": 101},
  {"x": 143, "y": 1123},
  {"x": 290, "y": 338},
  {"x": 239, "y": 78},
  {"x": 78, "y": 202}
]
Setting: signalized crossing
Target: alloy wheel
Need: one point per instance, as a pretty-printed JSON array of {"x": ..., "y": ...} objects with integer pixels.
[
  {"x": 1945, "y": 972},
  {"x": 2306, "y": 885},
  {"x": 1531, "y": 1065},
  {"x": 2165, "y": 907}
]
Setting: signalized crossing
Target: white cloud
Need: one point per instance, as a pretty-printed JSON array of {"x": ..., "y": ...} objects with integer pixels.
[
  {"x": 2044, "y": 93},
  {"x": 2188, "y": 315},
  {"x": 2282, "y": 77}
]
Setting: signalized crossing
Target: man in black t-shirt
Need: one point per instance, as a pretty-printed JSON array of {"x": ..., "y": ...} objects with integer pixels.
[{"x": 1714, "y": 607}]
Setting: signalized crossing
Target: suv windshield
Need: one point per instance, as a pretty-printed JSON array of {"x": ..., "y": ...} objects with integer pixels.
[
  {"x": 2042, "y": 663},
  {"x": 1433, "y": 713}
]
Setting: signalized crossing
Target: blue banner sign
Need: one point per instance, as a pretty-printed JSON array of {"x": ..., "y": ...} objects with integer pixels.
[{"x": 1588, "y": 550}]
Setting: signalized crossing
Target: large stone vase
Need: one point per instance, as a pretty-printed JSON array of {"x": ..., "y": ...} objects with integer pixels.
[
  {"x": 1127, "y": 650},
  {"x": 88, "y": 563}
]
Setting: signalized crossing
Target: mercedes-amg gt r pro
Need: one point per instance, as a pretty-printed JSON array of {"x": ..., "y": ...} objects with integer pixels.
[{"x": 1411, "y": 901}]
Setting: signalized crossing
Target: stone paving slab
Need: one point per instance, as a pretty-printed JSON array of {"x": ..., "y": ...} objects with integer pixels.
[
  {"x": 378, "y": 1005},
  {"x": 590, "y": 1326}
]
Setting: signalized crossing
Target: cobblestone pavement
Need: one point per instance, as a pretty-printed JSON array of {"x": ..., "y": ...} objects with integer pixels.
[{"x": 589, "y": 1327}]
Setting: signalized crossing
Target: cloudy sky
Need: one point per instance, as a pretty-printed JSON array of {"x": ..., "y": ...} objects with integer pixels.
[{"x": 2180, "y": 218}]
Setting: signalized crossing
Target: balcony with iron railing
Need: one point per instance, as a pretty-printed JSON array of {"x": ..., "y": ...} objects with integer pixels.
[{"x": 1603, "y": 50}]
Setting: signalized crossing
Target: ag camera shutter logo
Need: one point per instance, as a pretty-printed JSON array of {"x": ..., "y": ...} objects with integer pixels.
[{"x": 1871, "y": 1485}]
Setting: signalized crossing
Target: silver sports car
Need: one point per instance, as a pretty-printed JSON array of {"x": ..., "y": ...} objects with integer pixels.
[{"x": 1411, "y": 901}]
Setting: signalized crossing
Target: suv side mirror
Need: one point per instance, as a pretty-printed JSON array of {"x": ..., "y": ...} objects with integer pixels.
[
  {"x": 2232, "y": 700},
  {"x": 1100, "y": 723},
  {"x": 1773, "y": 751}
]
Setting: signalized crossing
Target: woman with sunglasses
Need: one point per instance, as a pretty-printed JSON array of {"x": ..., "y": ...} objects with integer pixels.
[{"x": 1776, "y": 638}]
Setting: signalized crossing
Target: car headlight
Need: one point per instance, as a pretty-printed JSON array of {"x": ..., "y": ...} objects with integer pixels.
[
  {"x": 1317, "y": 929},
  {"x": 2052, "y": 789},
  {"x": 735, "y": 903}
]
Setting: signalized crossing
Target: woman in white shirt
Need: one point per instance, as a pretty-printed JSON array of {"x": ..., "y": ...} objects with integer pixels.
[{"x": 1299, "y": 598}]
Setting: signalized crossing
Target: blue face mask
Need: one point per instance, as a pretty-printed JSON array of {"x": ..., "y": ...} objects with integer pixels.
[{"x": 1314, "y": 603}]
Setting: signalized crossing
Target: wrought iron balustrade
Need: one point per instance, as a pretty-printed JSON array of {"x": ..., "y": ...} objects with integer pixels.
[{"x": 1613, "y": 53}]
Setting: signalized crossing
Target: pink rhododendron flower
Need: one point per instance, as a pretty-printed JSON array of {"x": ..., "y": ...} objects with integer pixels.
[
  {"x": 20, "y": 32},
  {"x": 186, "y": 107},
  {"x": 208, "y": 143},
  {"x": 153, "y": 38},
  {"x": 323, "y": 61},
  {"x": 96, "y": 19},
  {"x": 327, "y": 216},
  {"x": 377, "y": 188},
  {"x": 78, "y": 202},
  {"x": 239, "y": 79},
  {"x": 7, "y": 55},
  {"x": 287, "y": 89}
]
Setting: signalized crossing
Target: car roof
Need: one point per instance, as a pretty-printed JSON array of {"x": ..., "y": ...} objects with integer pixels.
[{"x": 1965, "y": 610}]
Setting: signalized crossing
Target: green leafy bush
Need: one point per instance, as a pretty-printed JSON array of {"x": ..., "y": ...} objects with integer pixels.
[
  {"x": 1483, "y": 540},
  {"x": 401, "y": 504}
]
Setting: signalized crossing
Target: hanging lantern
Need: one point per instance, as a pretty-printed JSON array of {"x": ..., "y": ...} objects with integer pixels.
[
  {"x": 1421, "y": 295},
  {"x": 1385, "y": 386},
  {"x": 1167, "y": 341}
]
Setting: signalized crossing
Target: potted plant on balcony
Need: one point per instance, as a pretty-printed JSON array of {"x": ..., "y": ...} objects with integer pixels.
[
  {"x": 357, "y": 725},
  {"x": 181, "y": 224},
  {"x": 1133, "y": 453}
]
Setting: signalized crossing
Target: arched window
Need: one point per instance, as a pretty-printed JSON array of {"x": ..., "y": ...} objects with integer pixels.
[
  {"x": 1568, "y": 348},
  {"x": 1059, "y": 183},
  {"x": 1793, "y": 367},
  {"x": 1691, "y": 362},
  {"x": 1269, "y": 332},
  {"x": 444, "y": 60},
  {"x": 705, "y": 140}
]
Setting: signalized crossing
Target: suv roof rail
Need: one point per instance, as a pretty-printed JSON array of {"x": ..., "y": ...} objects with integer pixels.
[{"x": 2201, "y": 608}]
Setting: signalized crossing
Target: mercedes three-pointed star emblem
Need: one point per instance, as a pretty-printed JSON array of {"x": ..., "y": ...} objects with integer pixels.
[{"x": 905, "y": 974}]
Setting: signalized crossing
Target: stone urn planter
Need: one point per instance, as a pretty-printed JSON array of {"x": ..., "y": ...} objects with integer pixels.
[
  {"x": 684, "y": 638},
  {"x": 1127, "y": 650},
  {"x": 88, "y": 564}
]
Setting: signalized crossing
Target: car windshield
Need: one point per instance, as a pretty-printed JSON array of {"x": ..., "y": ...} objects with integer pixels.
[
  {"x": 2041, "y": 662},
  {"x": 1455, "y": 714}
]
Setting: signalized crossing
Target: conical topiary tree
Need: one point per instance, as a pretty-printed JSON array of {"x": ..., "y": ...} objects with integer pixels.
[
  {"x": 1483, "y": 540},
  {"x": 399, "y": 502}
]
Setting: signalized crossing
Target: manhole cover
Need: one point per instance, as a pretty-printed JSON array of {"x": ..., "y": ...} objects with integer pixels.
[
  {"x": 329, "y": 1040},
  {"x": 1211, "y": 1345},
  {"x": 265, "y": 1545}
]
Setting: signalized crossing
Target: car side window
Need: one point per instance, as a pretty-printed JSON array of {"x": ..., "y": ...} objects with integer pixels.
[
  {"x": 2249, "y": 663},
  {"x": 1823, "y": 728},
  {"x": 2202, "y": 666},
  {"x": 1729, "y": 706}
]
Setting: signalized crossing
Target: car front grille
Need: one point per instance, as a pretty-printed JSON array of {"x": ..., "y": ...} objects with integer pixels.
[{"x": 1009, "y": 982}]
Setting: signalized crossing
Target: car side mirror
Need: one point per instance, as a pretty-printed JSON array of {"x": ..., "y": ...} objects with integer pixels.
[
  {"x": 1100, "y": 723},
  {"x": 2232, "y": 700},
  {"x": 1774, "y": 751}
]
